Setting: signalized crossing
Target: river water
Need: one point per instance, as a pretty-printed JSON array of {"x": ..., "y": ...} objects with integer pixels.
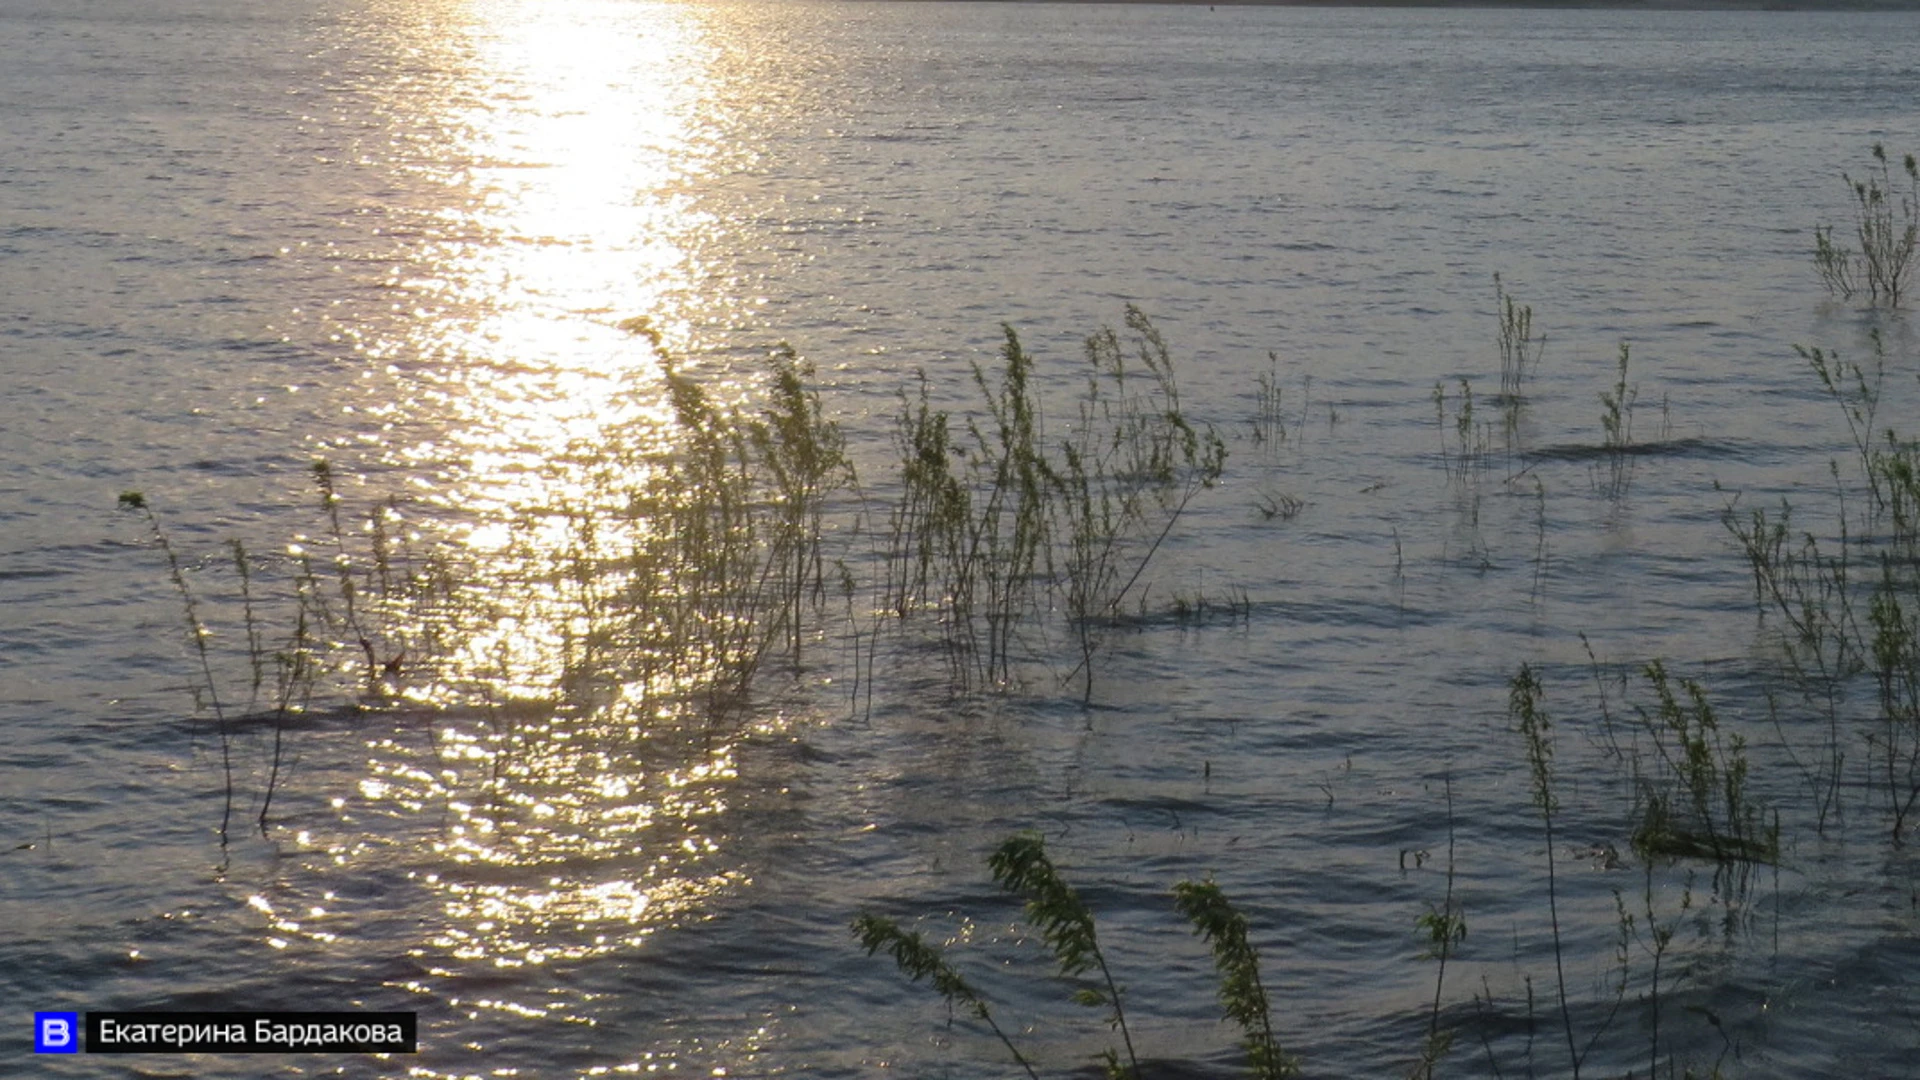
[{"x": 413, "y": 238}]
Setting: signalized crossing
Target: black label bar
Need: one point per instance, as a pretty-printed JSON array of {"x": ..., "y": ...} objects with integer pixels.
[{"x": 252, "y": 1032}]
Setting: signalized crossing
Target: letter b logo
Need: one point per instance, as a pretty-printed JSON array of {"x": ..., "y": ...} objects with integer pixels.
[{"x": 56, "y": 1033}]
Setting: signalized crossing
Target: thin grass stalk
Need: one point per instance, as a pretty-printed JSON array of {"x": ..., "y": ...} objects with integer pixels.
[
  {"x": 197, "y": 631},
  {"x": 296, "y": 673},
  {"x": 1535, "y": 727},
  {"x": 1519, "y": 349},
  {"x": 1445, "y": 929},
  {"x": 255, "y": 651}
]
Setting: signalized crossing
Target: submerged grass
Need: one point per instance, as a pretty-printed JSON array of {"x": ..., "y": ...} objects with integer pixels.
[
  {"x": 701, "y": 564},
  {"x": 1616, "y": 426},
  {"x": 1886, "y": 226},
  {"x": 1693, "y": 797},
  {"x": 995, "y": 529},
  {"x": 1848, "y": 603},
  {"x": 1067, "y": 925},
  {"x": 1520, "y": 350}
]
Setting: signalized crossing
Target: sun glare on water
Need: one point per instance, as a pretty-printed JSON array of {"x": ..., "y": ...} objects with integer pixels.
[{"x": 573, "y": 799}]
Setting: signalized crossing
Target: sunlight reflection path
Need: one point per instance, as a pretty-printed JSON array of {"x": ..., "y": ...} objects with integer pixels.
[{"x": 579, "y": 812}]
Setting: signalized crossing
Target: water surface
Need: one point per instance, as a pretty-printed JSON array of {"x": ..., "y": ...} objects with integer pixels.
[{"x": 406, "y": 237}]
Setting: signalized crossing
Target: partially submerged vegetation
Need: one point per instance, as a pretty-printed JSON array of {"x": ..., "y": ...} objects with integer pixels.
[
  {"x": 1886, "y": 228},
  {"x": 997, "y": 528},
  {"x": 1067, "y": 927},
  {"x": 1018, "y": 534}
]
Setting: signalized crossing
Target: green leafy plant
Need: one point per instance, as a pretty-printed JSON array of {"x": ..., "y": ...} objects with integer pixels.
[
  {"x": 1021, "y": 866},
  {"x": 1886, "y": 226},
  {"x": 1066, "y": 924},
  {"x": 1242, "y": 995},
  {"x": 1694, "y": 800},
  {"x": 917, "y": 960}
]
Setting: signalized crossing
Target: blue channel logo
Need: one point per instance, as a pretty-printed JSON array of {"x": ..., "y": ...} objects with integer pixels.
[{"x": 56, "y": 1033}]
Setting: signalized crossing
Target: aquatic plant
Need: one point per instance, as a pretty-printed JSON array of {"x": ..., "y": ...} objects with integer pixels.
[
  {"x": 917, "y": 960},
  {"x": 198, "y": 636},
  {"x": 689, "y": 553},
  {"x": 993, "y": 529},
  {"x": 1011, "y": 534},
  {"x": 1834, "y": 263},
  {"x": 1616, "y": 425},
  {"x": 1519, "y": 349},
  {"x": 804, "y": 455},
  {"x": 1886, "y": 222},
  {"x": 1840, "y": 622},
  {"x": 1282, "y": 505},
  {"x": 1444, "y": 928},
  {"x": 1269, "y": 420},
  {"x": 1693, "y": 799},
  {"x": 1691, "y": 804},
  {"x": 1466, "y": 453},
  {"x": 971, "y": 528},
  {"x": 1022, "y": 866},
  {"x": 1536, "y": 729},
  {"x": 1887, "y": 237},
  {"x": 1127, "y": 476},
  {"x": 1808, "y": 587},
  {"x": 294, "y": 661},
  {"x": 1198, "y": 606},
  {"x": 1242, "y": 994}
]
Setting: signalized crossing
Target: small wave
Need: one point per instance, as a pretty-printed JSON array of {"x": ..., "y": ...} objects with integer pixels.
[{"x": 1697, "y": 447}]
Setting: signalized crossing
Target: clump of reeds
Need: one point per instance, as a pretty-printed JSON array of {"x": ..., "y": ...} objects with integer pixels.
[
  {"x": 971, "y": 529},
  {"x": 1519, "y": 349},
  {"x": 1886, "y": 227},
  {"x": 1200, "y": 606},
  {"x": 1693, "y": 799},
  {"x": 996, "y": 527},
  {"x": 347, "y": 624},
  {"x": 1466, "y": 441},
  {"x": 1269, "y": 418},
  {"x": 1845, "y": 603},
  {"x": 1279, "y": 505},
  {"x": 675, "y": 568},
  {"x": 1616, "y": 425},
  {"x": 725, "y": 560},
  {"x": 1134, "y": 465}
]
